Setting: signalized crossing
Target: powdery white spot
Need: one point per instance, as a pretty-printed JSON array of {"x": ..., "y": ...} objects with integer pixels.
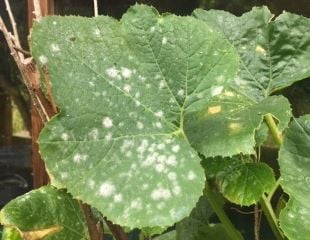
[
  {"x": 127, "y": 88},
  {"x": 176, "y": 148},
  {"x": 64, "y": 175},
  {"x": 97, "y": 32},
  {"x": 158, "y": 125},
  {"x": 216, "y": 90},
  {"x": 159, "y": 167},
  {"x": 172, "y": 176},
  {"x": 103, "y": 93},
  {"x": 152, "y": 29},
  {"x": 177, "y": 190},
  {"x": 55, "y": 47},
  {"x": 148, "y": 86},
  {"x": 54, "y": 23},
  {"x": 164, "y": 40},
  {"x": 181, "y": 92},
  {"x": 159, "y": 114},
  {"x": 108, "y": 137},
  {"x": 94, "y": 134},
  {"x": 118, "y": 198},
  {"x": 191, "y": 175},
  {"x": 43, "y": 59},
  {"x": 160, "y": 146},
  {"x": 162, "y": 84},
  {"x": 126, "y": 72},
  {"x": 112, "y": 72},
  {"x": 65, "y": 136},
  {"x": 140, "y": 125},
  {"x": 136, "y": 204},
  {"x": 220, "y": 78},
  {"x": 171, "y": 160},
  {"x": 229, "y": 94},
  {"x": 77, "y": 158},
  {"x": 91, "y": 84},
  {"x": 91, "y": 183},
  {"x": 107, "y": 122},
  {"x": 145, "y": 186},
  {"x": 157, "y": 76},
  {"x": 106, "y": 189},
  {"x": 160, "y": 194}
]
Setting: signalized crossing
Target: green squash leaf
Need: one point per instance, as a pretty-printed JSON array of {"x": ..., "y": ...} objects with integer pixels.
[
  {"x": 197, "y": 226},
  {"x": 273, "y": 55},
  {"x": 295, "y": 178},
  {"x": 45, "y": 213},
  {"x": 123, "y": 89},
  {"x": 240, "y": 180}
]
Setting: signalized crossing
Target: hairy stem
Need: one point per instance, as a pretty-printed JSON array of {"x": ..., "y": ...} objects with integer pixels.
[
  {"x": 229, "y": 227},
  {"x": 276, "y": 134},
  {"x": 271, "y": 218}
]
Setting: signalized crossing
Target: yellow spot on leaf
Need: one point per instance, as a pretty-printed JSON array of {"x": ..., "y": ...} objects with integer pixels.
[
  {"x": 214, "y": 109},
  {"x": 40, "y": 234},
  {"x": 260, "y": 49},
  {"x": 234, "y": 127}
]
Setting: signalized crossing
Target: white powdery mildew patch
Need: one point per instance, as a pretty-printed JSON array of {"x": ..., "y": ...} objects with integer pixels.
[
  {"x": 159, "y": 167},
  {"x": 136, "y": 204},
  {"x": 176, "y": 190},
  {"x": 159, "y": 114},
  {"x": 77, "y": 158},
  {"x": 107, "y": 189},
  {"x": 118, "y": 198},
  {"x": 162, "y": 84},
  {"x": 94, "y": 133},
  {"x": 164, "y": 40},
  {"x": 140, "y": 125},
  {"x": 216, "y": 90},
  {"x": 91, "y": 183},
  {"x": 64, "y": 175},
  {"x": 43, "y": 59},
  {"x": 152, "y": 29},
  {"x": 65, "y": 136},
  {"x": 191, "y": 175},
  {"x": 112, "y": 72},
  {"x": 172, "y": 176},
  {"x": 171, "y": 160},
  {"x": 108, "y": 137},
  {"x": 181, "y": 92},
  {"x": 176, "y": 148},
  {"x": 107, "y": 122},
  {"x": 160, "y": 194},
  {"x": 127, "y": 88},
  {"x": 126, "y": 72},
  {"x": 97, "y": 32},
  {"x": 158, "y": 125},
  {"x": 55, "y": 47}
]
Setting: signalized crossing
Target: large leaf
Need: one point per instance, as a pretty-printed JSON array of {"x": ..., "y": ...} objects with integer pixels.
[
  {"x": 197, "y": 226},
  {"x": 273, "y": 55},
  {"x": 239, "y": 179},
  {"x": 294, "y": 160},
  {"x": 45, "y": 213},
  {"x": 123, "y": 89}
]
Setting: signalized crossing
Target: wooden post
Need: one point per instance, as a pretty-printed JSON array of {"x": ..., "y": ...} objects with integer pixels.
[{"x": 40, "y": 176}]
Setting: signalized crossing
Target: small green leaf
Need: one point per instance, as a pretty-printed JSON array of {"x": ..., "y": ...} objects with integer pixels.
[
  {"x": 240, "y": 180},
  {"x": 295, "y": 178},
  {"x": 45, "y": 212}
]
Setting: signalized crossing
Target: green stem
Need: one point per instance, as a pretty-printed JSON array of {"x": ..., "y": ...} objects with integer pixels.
[
  {"x": 271, "y": 218},
  {"x": 273, "y": 190},
  {"x": 217, "y": 207},
  {"x": 276, "y": 134}
]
